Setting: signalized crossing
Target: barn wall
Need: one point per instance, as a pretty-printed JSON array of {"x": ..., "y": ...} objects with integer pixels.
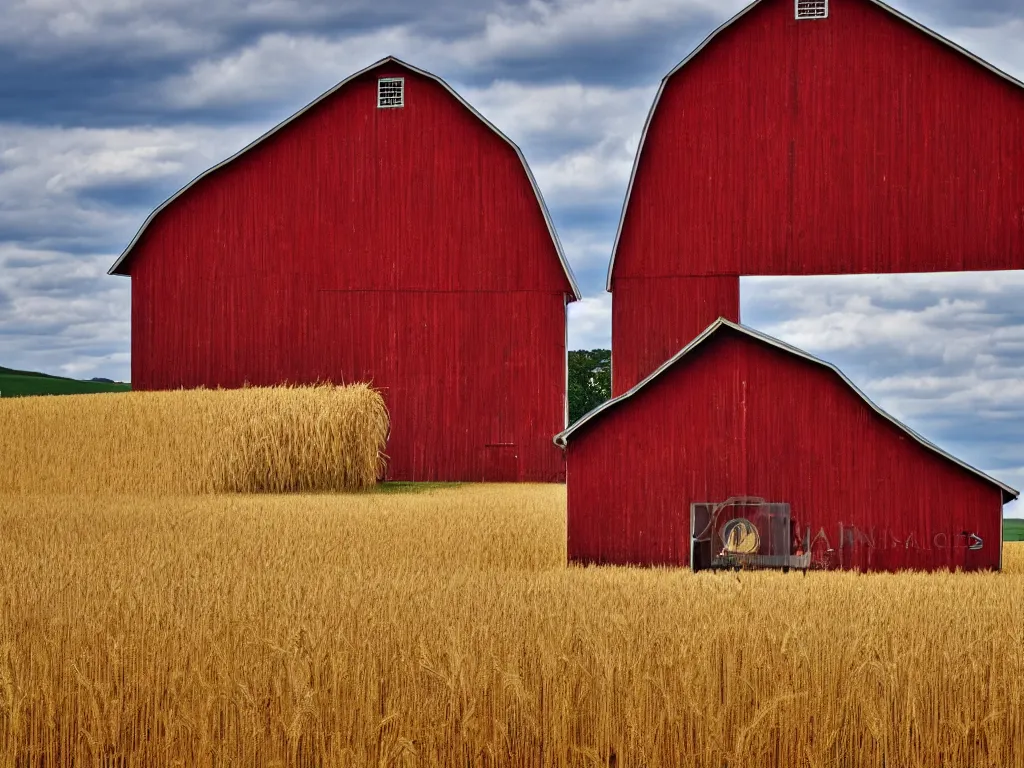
[
  {"x": 856, "y": 144},
  {"x": 652, "y": 319},
  {"x": 402, "y": 246},
  {"x": 474, "y": 382},
  {"x": 741, "y": 418}
]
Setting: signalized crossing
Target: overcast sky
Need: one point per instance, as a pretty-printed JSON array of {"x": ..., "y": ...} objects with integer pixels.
[{"x": 109, "y": 106}]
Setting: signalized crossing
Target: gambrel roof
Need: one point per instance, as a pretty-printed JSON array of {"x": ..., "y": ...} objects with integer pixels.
[
  {"x": 120, "y": 268},
  {"x": 708, "y": 40}
]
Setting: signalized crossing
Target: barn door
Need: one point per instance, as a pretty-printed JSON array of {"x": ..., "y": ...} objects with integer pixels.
[{"x": 501, "y": 450}]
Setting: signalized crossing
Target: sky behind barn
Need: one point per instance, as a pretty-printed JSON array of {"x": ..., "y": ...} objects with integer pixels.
[{"x": 109, "y": 106}]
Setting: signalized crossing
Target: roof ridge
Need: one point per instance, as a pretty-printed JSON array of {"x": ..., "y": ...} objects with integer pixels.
[{"x": 562, "y": 438}]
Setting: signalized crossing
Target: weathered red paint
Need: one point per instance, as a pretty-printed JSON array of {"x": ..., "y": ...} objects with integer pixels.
[
  {"x": 653, "y": 319},
  {"x": 401, "y": 246},
  {"x": 739, "y": 417},
  {"x": 852, "y": 145}
]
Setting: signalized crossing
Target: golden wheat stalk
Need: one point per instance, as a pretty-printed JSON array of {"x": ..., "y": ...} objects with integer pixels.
[
  {"x": 443, "y": 628},
  {"x": 278, "y": 439}
]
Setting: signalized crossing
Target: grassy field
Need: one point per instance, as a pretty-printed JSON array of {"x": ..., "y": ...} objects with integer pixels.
[
  {"x": 442, "y": 628},
  {"x": 24, "y": 383},
  {"x": 1013, "y": 530}
]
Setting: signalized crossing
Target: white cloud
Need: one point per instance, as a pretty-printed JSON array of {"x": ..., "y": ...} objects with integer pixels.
[
  {"x": 943, "y": 353},
  {"x": 590, "y": 322},
  {"x": 59, "y": 311},
  {"x": 586, "y": 249},
  {"x": 1000, "y": 46},
  {"x": 836, "y": 313},
  {"x": 589, "y": 176},
  {"x": 542, "y": 26},
  {"x": 580, "y": 139},
  {"x": 153, "y": 27},
  {"x": 563, "y": 113},
  {"x": 161, "y": 25},
  {"x": 595, "y": 128},
  {"x": 857, "y": 321},
  {"x": 65, "y": 315},
  {"x": 279, "y": 65},
  {"x": 45, "y": 172},
  {"x": 997, "y": 41}
]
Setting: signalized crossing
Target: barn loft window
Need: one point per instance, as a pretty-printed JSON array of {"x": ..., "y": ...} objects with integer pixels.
[
  {"x": 812, "y": 9},
  {"x": 390, "y": 92}
]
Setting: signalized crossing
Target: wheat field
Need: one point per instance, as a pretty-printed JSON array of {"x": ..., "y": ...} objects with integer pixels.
[
  {"x": 442, "y": 628},
  {"x": 257, "y": 439}
]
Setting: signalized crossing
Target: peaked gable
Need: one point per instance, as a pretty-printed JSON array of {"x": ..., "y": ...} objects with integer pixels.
[{"x": 562, "y": 439}]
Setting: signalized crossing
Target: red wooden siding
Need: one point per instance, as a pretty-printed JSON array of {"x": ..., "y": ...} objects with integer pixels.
[
  {"x": 856, "y": 144},
  {"x": 403, "y": 246},
  {"x": 738, "y": 417},
  {"x": 653, "y": 319}
]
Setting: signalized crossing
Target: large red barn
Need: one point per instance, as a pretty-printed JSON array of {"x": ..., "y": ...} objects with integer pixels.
[
  {"x": 387, "y": 233},
  {"x": 840, "y": 138},
  {"x": 740, "y": 416}
]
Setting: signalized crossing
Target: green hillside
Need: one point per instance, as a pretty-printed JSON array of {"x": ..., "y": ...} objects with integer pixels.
[
  {"x": 1013, "y": 530},
  {"x": 24, "y": 383}
]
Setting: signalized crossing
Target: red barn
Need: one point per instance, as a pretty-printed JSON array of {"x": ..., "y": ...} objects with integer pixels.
[
  {"x": 388, "y": 233},
  {"x": 789, "y": 450},
  {"x": 842, "y": 138}
]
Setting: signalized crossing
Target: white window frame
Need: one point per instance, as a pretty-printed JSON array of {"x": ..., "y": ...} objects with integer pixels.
[
  {"x": 385, "y": 81},
  {"x": 813, "y": 16}
]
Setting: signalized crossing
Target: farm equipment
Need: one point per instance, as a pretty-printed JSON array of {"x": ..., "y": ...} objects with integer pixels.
[{"x": 746, "y": 533}]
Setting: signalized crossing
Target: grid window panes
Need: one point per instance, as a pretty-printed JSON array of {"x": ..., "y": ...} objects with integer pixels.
[
  {"x": 391, "y": 92},
  {"x": 812, "y": 9}
]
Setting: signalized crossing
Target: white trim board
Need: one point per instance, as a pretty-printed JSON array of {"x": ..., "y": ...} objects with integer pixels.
[
  {"x": 562, "y": 439},
  {"x": 115, "y": 269}
]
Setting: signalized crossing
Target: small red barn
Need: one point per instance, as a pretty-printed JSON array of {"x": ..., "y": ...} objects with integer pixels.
[
  {"x": 786, "y": 450},
  {"x": 811, "y": 137},
  {"x": 387, "y": 232}
]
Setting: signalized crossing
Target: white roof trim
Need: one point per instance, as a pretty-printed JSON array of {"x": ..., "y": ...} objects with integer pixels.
[
  {"x": 562, "y": 438},
  {"x": 386, "y": 60},
  {"x": 707, "y": 41}
]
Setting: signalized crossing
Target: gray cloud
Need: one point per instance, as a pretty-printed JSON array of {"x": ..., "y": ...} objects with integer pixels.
[
  {"x": 952, "y": 13},
  {"x": 106, "y": 63},
  {"x": 943, "y": 353},
  {"x": 114, "y": 63},
  {"x": 63, "y": 315},
  {"x": 590, "y": 323},
  {"x": 80, "y": 189}
]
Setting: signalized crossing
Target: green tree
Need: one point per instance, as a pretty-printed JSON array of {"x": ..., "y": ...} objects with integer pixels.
[{"x": 590, "y": 381}]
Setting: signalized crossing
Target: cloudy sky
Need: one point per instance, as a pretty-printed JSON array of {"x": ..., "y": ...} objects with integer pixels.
[{"x": 109, "y": 106}]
